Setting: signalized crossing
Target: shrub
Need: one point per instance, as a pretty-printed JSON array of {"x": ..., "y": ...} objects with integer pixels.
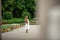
[
  {"x": 7, "y": 15},
  {"x": 26, "y": 14}
]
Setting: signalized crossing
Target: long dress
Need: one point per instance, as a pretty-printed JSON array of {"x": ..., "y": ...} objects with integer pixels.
[{"x": 27, "y": 26}]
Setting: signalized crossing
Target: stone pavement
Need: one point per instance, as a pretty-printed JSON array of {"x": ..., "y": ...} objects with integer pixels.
[{"x": 20, "y": 34}]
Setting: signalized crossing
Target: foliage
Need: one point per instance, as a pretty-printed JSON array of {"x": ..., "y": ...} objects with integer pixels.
[
  {"x": 16, "y": 20},
  {"x": 6, "y": 26},
  {"x": 17, "y": 7},
  {"x": 26, "y": 14},
  {"x": 7, "y": 15}
]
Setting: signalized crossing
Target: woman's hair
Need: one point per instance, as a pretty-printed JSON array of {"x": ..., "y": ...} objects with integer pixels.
[{"x": 26, "y": 16}]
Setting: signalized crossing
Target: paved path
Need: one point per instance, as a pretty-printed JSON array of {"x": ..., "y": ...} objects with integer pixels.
[{"x": 20, "y": 34}]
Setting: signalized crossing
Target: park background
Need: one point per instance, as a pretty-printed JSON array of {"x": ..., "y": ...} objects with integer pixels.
[{"x": 14, "y": 11}]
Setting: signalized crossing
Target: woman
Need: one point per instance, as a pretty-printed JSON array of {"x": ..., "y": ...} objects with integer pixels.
[{"x": 27, "y": 26}]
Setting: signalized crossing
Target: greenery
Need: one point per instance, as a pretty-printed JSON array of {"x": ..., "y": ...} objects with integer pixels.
[
  {"x": 13, "y": 20},
  {"x": 17, "y": 20},
  {"x": 13, "y": 11},
  {"x": 26, "y": 14},
  {"x": 6, "y": 26},
  {"x": 17, "y": 7},
  {"x": 9, "y": 27},
  {"x": 7, "y": 15}
]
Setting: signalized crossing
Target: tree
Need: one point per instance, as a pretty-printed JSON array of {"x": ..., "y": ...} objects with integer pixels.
[
  {"x": 7, "y": 15},
  {"x": 25, "y": 13},
  {"x": 17, "y": 7}
]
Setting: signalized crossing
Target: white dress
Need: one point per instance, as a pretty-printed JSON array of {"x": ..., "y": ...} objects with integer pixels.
[{"x": 27, "y": 26}]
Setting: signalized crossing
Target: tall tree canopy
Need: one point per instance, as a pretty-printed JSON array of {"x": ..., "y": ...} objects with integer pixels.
[{"x": 17, "y": 7}]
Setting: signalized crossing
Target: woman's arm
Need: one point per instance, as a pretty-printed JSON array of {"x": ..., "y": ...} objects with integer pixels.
[{"x": 26, "y": 21}]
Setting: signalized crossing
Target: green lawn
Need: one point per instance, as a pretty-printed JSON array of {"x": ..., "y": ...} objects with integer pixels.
[{"x": 14, "y": 20}]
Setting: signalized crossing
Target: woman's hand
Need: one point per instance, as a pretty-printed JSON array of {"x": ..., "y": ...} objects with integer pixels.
[{"x": 26, "y": 21}]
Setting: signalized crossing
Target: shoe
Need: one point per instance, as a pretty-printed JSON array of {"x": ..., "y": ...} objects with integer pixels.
[{"x": 27, "y": 31}]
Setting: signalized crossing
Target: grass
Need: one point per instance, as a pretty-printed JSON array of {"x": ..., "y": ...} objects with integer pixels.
[
  {"x": 14, "y": 20},
  {"x": 6, "y": 26}
]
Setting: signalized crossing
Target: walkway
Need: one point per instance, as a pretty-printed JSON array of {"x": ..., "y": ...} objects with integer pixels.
[{"x": 20, "y": 34}]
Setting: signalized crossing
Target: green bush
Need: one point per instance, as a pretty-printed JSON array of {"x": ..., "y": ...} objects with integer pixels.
[
  {"x": 26, "y": 14},
  {"x": 7, "y": 15}
]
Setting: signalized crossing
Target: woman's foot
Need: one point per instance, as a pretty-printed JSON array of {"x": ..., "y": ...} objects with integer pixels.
[{"x": 27, "y": 31}]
